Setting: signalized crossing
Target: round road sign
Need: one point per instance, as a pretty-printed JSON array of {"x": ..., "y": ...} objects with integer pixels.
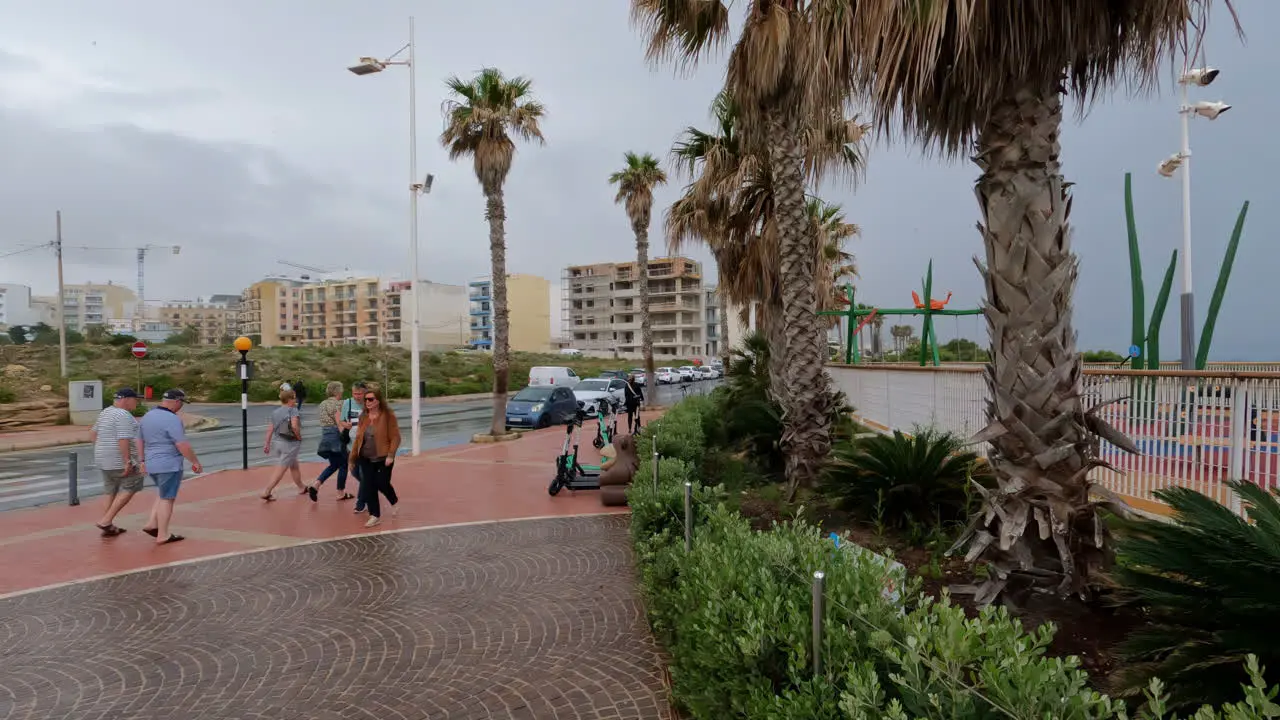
[{"x": 139, "y": 349}]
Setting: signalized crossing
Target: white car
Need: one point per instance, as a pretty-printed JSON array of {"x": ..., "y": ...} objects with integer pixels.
[
  {"x": 591, "y": 392},
  {"x": 666, "y": 375},
  {"x": 708, "y": 373},
  {"x": 688, "y": 373},
  {"x": 638, "y": 374}
]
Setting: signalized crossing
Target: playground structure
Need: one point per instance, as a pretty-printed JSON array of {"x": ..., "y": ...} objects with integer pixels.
[{"x": 858, "y": 318}]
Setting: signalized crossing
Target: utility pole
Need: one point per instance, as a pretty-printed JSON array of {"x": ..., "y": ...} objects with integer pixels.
[{"x": 62, "y": 310}]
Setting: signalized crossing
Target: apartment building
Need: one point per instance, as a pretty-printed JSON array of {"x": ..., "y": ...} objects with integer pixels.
[
  {"x": 600, "y": 306},
  {"x": 342, "y": 311},
  {"x": 215, "y": 322},
  {"x": 15, "y": 306},
  {"x": 725, "y": 328},
  {"x": 442, "y": 315},
  {"x": 270, "y": 312},
  {"x": 529, "y": 308},
  {"x": 96, "y": 304}
]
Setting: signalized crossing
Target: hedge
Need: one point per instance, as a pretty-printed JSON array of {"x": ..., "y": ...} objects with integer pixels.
[{"x": 735, "y": 617}]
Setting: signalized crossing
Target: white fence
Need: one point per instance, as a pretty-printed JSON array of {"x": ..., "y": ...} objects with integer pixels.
[{"x": 1195, "y": 429}]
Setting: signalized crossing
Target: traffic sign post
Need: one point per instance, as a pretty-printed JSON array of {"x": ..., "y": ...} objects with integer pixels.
[{"x": 139, "y": 351}]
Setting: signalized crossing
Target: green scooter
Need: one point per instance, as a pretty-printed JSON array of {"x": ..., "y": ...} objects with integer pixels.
[{"x": 570, "y": 473}]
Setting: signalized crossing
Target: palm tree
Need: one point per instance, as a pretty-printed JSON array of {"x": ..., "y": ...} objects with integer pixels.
[
  {"x": 834, "y": 263},
  {"x": 778, "y": 95},
  {"x": 955, "y": 73},
  {"x": 635, "y": 191},
  {"x": 481, "y": 117},
  {"x": 729, "y": 206}
]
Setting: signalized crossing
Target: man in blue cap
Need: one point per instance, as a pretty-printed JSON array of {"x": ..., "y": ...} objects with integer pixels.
[{"x": 165, "y": 445}]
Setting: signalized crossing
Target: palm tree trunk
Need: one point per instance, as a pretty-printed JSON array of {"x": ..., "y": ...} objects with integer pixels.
[
  {"x": 1042, "y": 528},
  {"x": 496, "y": 213},
  {"x": 726, "y": 338},
  {"x": 646, "y": 329},
  {"x": 806, "y": 435},
  {"x": 769, "y": 319}
]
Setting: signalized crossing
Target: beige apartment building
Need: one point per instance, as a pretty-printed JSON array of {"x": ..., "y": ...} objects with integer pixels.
[
  {"x": 215, "y": 322},
  {"x": 342, "y": 312},
  {"x": 442, "y": 315},
  {"x": 96, "y": 304},
  {"x": 271, "y": 312},
  {"x": 600, "y": 306},
  {"x": 529, "y": 308}
]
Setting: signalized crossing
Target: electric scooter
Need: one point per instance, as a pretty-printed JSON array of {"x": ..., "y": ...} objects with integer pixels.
[
  {"x": 606, "y": 422},
  {"x": 570, "y": 473}
]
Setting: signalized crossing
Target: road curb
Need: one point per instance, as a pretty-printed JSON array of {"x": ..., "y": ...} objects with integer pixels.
[{"x": 201, "y": 424}]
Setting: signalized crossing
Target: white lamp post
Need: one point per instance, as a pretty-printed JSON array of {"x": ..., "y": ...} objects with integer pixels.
[
  {"x": 1170, "y": 165},
  {"x": 370, "y": 66}
]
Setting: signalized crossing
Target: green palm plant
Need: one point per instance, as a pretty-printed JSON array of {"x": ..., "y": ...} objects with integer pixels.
[
  {"x": 835, "y": 264},
  {"x": 635, "y": 191},
  {"x": 781, "y": 99},
  {"x": 729, "y": 206},
  {"x": 1207, "y": 585},
  {"x": 987, "y": 79},
  {"x": 481, "y": 119},
  {"x": 911, "y": 480}
]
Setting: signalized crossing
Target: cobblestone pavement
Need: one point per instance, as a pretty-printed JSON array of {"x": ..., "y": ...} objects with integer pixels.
[{"x": 526, "y": 619}]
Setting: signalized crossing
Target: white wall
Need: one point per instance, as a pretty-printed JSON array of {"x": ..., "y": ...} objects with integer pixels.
[
  {"x": 15, "y": 305},
  {"x": 444, "y": 319}
]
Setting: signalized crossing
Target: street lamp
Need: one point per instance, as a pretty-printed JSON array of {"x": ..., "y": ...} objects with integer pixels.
[
  {"x": 372, "y": 66},
  {"x": 1201, "y": 77},
  {"x": 244, "y": 344}
]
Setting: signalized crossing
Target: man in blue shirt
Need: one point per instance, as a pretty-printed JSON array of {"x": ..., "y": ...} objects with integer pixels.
[{"x": 164, "y": 445}]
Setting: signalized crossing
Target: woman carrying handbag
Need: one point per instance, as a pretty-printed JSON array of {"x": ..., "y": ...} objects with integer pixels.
[{"x": 373, "y": 452}]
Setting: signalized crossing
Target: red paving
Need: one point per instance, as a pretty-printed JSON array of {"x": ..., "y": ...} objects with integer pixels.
[{"x": 221, "y": 513}]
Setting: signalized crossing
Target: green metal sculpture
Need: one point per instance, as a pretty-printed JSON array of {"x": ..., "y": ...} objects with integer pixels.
[
  {"x": 1147, "y": 339},
  {"x": 927, "y": 308}
]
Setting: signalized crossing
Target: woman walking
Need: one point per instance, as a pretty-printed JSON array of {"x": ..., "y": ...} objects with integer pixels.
[
  {"x": 332, "y": 447},
  {"x": 373, "y": 451},
  {"x": 284, "y": 435}
]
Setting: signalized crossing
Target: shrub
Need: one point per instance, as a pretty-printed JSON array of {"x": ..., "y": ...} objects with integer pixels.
[
  {"x": 901, "y": 481},
  {"x": 7, "y": 395},
  {"x": 1208, "y": 585},
  {"x": 735, "y": 617}
]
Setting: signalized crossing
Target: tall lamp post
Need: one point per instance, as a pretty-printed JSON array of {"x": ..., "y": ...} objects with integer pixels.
[
  {"x": 370, "y": 66},
  {"x": 244, "y": 344},
  {"x": 1182, "y": 159}
]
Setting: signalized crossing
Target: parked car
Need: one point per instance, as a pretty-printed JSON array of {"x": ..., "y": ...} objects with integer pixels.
[
  {"x": 590, "y": 392},
  {"x": 539, "y": 406},
  {"x": 572, "y": 352},
  {"x": 666, "y": 375},
  {"x": 688, "y": 373},
  {"x": 707, "y": 373},
  {"x": 620, "y": 374},
  {"x": 640, "y": 376},
  {"x": 553, "y": 375}
]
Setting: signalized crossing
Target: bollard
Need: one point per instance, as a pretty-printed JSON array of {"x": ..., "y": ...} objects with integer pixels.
[
  {"x": 655, "y": 466},
  {"x": 688, "y": 516},
  {"x": 73, "y": 479},
  {"x": 819, "y": 601}
]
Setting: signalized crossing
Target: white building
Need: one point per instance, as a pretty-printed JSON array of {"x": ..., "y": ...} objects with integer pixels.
[{"x": 15, "y": 306}]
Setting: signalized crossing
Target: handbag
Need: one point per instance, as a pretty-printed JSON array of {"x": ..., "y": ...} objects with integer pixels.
[{"x": 285, "y": 431}]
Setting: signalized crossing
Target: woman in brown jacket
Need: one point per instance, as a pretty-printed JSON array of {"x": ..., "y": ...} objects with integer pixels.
[{"x": 373, "y": 450}]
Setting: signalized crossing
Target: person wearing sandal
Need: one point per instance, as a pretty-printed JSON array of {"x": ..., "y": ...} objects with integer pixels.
[
  {"x": 284, "y": 435},
  {"x": 374, "y": 452},
  {"x": 332, "y": 448},
  {"x": 164, "y": 446},
  {"x": 113, "y": 434}
]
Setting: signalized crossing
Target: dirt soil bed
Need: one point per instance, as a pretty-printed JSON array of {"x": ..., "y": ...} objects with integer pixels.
[{"x": 1090, "y": 632}]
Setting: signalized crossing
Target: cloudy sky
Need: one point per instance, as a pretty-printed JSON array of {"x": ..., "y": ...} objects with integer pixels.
[{"x": 234, "y": 130}]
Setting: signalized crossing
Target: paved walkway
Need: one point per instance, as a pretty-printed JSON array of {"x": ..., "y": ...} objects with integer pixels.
[{"x": 535, "y": 617}]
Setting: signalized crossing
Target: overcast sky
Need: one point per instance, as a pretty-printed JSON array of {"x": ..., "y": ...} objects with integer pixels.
[{"x": 234, "y": 130}]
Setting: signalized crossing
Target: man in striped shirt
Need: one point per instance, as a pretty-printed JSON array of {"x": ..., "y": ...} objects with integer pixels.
[{"x": 112, "y": 435}]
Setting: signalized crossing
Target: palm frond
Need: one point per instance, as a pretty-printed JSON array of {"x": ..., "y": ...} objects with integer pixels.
[
  {"x": 482, "y": 115},
  {"x": 681, "y": 30}
]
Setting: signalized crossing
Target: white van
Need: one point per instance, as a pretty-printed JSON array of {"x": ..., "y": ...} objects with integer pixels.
[
  {"x": 571, "y": 352},
  {"x": 552, "y": 375}
]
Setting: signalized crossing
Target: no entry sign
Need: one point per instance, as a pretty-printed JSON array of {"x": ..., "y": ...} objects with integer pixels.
[{"x": 139, "y": 349}]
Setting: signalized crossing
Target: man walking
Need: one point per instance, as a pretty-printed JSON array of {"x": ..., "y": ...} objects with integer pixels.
[
  {"x": 112, "y": 435},
  {"x": 164, "y": 445}
]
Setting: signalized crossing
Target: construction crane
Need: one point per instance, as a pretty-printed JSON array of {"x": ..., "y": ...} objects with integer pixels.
[{"x": 141, "y": 253}]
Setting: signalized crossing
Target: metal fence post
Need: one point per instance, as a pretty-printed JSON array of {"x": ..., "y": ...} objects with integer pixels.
[
  {"x": 819, "y": 603},
  {"x": 688, "y": 516},
  {"x": 73, "y": 479}
]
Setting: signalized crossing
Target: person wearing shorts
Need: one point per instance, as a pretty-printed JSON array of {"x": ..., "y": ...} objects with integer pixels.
[
  {"x": 113, "y": 435},
  {"x": 284, "y": 444},
  {"x": 164, "y": 447}
]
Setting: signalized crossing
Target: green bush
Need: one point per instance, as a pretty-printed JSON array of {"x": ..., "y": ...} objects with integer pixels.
[
  {"x": 735, "y": 617},
  {"x": 7, "y": 395},
  {"x": 1207, "y": 585},
  {"x": 900, "y": 481}
]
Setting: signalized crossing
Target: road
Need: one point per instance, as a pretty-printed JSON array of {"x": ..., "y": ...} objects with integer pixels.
[{"x": 40, "y": 477}]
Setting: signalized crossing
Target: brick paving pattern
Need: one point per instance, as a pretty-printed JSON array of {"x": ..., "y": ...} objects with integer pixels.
[{"x": 526, "y": 619}]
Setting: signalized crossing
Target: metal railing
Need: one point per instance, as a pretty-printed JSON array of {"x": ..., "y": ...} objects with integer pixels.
[{"x": 1195, "y": 429}]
